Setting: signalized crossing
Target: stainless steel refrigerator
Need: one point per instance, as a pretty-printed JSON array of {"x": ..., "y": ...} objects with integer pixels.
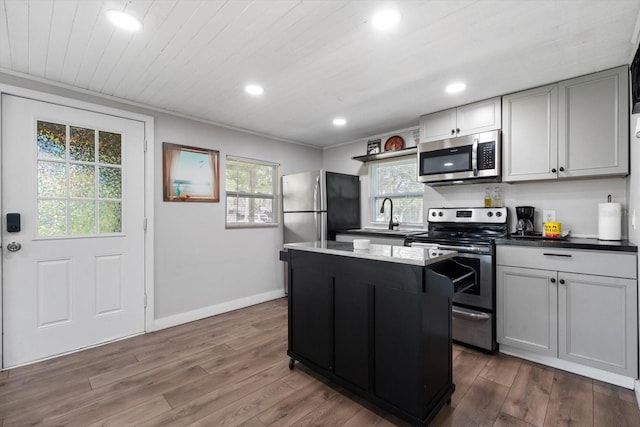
[{"x": 316, "y": 205}]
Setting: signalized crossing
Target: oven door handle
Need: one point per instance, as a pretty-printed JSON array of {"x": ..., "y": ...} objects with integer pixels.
[
  {"x": 465, "y": 314},
  {"x": 472, "y": 249}
]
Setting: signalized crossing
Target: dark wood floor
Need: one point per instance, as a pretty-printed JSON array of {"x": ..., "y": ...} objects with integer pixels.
[{"x": 232, "y": 370}]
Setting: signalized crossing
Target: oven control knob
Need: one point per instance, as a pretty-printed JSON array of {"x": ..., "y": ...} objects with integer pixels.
[
  {"x": 433, "y": 213},
  {"x": 489, "y": 214},
  {"x": 498, "y": 214},
  {"x": 440, "y": 214}
]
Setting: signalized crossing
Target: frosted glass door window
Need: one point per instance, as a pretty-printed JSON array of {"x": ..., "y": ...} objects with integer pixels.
[{"x": 79, "y": 176}]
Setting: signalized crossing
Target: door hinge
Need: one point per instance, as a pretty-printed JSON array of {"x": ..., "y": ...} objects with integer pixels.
[
  {"x": 145, "y": 300},
  {"x": 144, "y": 224}
]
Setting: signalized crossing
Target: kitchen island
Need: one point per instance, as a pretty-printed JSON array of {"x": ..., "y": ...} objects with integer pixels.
[{"x": 376, "y": 321}]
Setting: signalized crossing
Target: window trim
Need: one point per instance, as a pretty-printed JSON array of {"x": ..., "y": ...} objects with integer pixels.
[
  {"x": 275, "y": 196},
  {"x": 374, "y": 196}
]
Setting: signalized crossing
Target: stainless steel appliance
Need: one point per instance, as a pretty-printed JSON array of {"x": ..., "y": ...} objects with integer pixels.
[
  {"x": 471, "y": 232},
  {"x": 467, "y": 158},
  {"x": 317, "y": 205}
]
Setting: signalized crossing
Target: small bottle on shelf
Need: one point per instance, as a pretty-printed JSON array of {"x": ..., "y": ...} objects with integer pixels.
[
  {"x": 488, "y": 201},
  {"x": 497, "y": 198}
]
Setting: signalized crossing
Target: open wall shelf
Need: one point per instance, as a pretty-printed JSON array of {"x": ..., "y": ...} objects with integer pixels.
[{"x": 387, "y": 155}]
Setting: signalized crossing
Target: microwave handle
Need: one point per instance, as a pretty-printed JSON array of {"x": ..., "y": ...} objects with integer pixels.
[{"x": 474, "y": 157}]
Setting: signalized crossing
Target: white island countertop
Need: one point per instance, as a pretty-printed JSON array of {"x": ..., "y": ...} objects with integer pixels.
[{"x": 388, "y": 253}]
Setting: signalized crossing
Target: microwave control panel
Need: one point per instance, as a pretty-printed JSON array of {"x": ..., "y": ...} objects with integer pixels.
[{"x": 487, "y": 155}]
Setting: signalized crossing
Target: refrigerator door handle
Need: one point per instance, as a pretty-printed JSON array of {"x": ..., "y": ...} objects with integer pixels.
[{"x": 317, "y": 194}]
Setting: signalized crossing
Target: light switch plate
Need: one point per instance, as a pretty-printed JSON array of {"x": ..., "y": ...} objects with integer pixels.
[{"x": 548, "y": 216}]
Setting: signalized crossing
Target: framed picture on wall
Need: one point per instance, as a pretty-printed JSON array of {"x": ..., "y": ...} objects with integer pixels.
[
  {"x": 190, "y": 174},
  {"x": 373, "y": 146}
]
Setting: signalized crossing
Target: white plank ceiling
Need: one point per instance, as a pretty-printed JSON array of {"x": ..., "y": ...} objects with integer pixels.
[{"x": 316, "y": 59}]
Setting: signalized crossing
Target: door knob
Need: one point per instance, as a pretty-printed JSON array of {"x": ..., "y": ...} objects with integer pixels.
[{"x": 14, "y": 247}]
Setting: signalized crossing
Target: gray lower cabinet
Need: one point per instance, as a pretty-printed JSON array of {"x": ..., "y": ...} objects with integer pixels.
[
  {"x": 597, "y": 322},
  {"x": 568, "y": 312},
  {"x": 526, "y": 305}
]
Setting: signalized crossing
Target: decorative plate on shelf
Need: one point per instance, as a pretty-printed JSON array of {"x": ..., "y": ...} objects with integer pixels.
[{"x": 394, "y": 143}]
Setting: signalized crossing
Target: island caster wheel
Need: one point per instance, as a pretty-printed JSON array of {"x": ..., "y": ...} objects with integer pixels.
[{"x": 292, "y": 363}]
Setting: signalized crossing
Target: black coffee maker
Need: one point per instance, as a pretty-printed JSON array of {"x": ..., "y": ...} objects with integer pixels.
[{"x": 524, "y": 226}]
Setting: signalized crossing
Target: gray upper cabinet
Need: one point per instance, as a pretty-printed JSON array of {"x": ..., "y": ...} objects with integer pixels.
[
  {"x": 465, "y": 120},
  {"x": 575, "y": 128},
  {"x": 530, "y": 134},
  {"x": 593, "y": 127}
]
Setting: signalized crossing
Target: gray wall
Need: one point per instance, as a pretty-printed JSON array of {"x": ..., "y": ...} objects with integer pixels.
[
  {"x": 575, "y": 201},
  {"x": 201, "y": 268},
  {"x": 199, "y": 263}
]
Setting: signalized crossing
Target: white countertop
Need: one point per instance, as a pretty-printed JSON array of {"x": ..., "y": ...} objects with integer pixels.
[{"x": 388, "y": 253}]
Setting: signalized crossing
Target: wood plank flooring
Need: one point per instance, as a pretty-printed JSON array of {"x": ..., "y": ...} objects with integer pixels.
[{"x": 232, "y": 370}]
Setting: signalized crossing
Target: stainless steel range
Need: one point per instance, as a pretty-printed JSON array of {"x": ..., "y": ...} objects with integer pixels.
[{"x": 471, "y": 232}]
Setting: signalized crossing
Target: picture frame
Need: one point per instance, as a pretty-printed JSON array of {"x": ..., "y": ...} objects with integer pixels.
[
  {"x": 190, "y": 174},
  {"x": 374, "y": 146}
]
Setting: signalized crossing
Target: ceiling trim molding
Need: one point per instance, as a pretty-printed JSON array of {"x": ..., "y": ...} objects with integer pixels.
[{"x": 149, "y": 107}]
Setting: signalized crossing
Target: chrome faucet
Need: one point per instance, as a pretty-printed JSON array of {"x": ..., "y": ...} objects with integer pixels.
[{"x": 391, "y": 223}]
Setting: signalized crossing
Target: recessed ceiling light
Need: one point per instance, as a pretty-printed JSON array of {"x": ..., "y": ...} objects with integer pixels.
[
  {"x": 339, "y": 121},
  {"x": 456, "y": 87},
  {"x": 124, "y": 21},
  {"x": 254, "y": 89},
  {"x": 385, "y": 19}
]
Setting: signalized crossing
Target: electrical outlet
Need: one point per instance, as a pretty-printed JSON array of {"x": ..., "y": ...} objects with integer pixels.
[{"x": 548, "y": 216}]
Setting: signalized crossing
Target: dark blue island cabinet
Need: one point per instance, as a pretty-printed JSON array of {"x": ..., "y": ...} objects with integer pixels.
[{"x": 380, "y": 329}]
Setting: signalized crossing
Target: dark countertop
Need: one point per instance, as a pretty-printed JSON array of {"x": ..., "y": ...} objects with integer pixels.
[
  {"x": 573, "y": 243},
  {"x": 569, "y": 242}
]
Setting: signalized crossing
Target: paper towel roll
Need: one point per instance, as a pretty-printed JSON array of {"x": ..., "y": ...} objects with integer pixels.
[{"x": 609, "y": 221}]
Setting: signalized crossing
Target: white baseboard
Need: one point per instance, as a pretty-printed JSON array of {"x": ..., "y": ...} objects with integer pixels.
[
  {"x": 576, "y": 368},
  {"x": 637, "y": 390},
  {"x": 212, "y": 310}
]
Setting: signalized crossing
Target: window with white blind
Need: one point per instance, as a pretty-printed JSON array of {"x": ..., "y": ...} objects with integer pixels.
[
  {"x": 396, "y": 179},
  {"x": 251, "y": 190}
]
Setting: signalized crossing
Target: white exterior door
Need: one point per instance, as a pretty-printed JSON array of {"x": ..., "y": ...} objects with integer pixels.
[{"x": 73, "y": 276}]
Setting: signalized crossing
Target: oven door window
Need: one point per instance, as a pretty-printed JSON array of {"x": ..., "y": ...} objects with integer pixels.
[{"x": 445, "y": 161}]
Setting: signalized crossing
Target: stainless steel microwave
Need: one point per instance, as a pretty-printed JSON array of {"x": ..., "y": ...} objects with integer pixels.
[{"x": 462, "y": 159}]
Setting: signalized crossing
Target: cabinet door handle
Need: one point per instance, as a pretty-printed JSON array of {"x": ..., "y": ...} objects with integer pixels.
[
  {"x": 561, "y": 255},
  {"x": 553, "y": 170},
  {"x": 457, "y": 130},
  {"x": 453, "y": 131},
  {"x": 562, "y": 281},
  {"x": 561, "y": 169},
  {"x": 553, "y": 280}
]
